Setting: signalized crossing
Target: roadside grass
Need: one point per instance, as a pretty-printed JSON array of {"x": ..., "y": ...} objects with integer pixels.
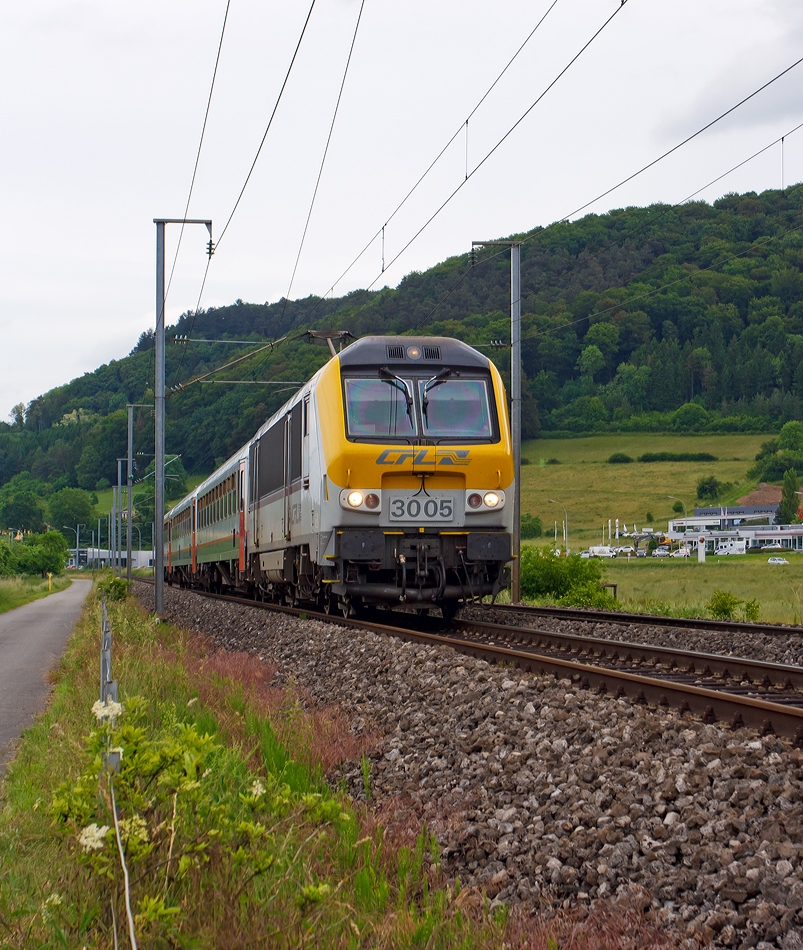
[
  {"x": 16, "y": 591},
  {"x": 231, "y": 834},
  {"x": 594, "y": 491}
]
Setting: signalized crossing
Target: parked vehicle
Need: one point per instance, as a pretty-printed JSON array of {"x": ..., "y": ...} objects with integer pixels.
[
  {"x": 681, "y": 552},
  {"x": 661, "y": 552},
  {"x": 602, "y": 550},
  {"x": 732, "y": 546},
  {"x": 585, "y": 554},
  {"x": 772, "y": 546},
  {"x": 626, "y": 549},
  {"x": 777, "y": 560},
  {"x": 642, "y": 552}
]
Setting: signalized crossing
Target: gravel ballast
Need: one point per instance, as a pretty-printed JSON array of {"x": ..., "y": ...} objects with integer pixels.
[{"x": 538, "y": 790}]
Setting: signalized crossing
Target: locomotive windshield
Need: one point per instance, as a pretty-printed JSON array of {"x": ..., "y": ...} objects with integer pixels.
[
  {"x": 378, "y": 409},
  {"x": 455, "y": 408}
]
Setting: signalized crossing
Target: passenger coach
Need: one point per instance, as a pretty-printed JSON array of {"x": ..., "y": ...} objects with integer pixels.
[{"x": 386, "y": 479}]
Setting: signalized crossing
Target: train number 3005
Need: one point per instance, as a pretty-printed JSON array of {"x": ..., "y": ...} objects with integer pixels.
[{"x": 421, "y": 509}]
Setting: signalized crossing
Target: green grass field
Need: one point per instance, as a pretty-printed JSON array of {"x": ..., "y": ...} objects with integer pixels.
[
  {"x": 105, "y": 496},
  {"x": 594, "y": 491},
  {"x": 687, "y": 586}
]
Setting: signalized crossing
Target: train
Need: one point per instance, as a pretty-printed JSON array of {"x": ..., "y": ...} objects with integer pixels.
[{"x": 386, "y": 480}]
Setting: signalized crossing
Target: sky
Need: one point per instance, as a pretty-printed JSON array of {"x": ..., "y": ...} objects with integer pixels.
[{"x": 103, "y": 105}]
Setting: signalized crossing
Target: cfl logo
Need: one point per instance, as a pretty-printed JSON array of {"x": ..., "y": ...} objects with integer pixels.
[{"x": 425, "y": 457}]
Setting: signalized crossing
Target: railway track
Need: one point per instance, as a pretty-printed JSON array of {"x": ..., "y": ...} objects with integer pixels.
[
  {"x": 767, "y": 697},
  {"x": 585, "y": 615}
]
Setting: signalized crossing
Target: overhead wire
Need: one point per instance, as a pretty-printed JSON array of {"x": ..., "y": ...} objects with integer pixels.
[
  {"x": 325, "y": 152},
  {"x": 270, "y": 123},
  {"x": 628, "y": 235},
  {"x": 504, "y": 138},
  {"x": 251, "y": 169},
  {"x": 195, "y": 171},
  {"x": 440, "y": 154}
]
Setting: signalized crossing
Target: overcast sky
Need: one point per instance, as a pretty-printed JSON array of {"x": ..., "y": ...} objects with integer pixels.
[{"x": 103, "y": 104}]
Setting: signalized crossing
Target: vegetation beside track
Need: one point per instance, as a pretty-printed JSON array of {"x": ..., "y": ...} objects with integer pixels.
[
  {"x": 16, "y": 591},
  {"x": 231, "y": 835}
]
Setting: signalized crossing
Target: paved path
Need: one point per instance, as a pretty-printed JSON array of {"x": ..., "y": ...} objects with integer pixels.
[{"x": 32, "y": 638}]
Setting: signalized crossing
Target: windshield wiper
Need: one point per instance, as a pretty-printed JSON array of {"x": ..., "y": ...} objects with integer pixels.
[
  {"x": 398, "y": 383},
  {"x": 436, "y": 380}
]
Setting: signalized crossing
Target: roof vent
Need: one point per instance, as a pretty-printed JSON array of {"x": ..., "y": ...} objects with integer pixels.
[
  {"x": 432, "y": 352},
  {"x": 395, "y": 352}
]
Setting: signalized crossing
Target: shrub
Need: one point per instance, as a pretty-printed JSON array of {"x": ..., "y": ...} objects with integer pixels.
[
  {"x": 709, "y": 487},
  {"x": 678, "y": 507},
  {"x": 531, "y": 527},
  {"x": 570, "y": 581},
  {"x": 553, "y": 461},
  {"x": 723, "y": 605},
  {"x": 619, "y": 458},
  {"x": 113, "y": 588},
  {"x": 677, "y": 457}
]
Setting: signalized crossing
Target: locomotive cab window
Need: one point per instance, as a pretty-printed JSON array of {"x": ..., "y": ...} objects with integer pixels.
[
  {"x": 455, "y": 408},
  {"x": 380, "y": 408}
]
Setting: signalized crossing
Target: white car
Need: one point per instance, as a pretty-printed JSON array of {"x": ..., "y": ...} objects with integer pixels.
[
  {"x": 777, "y": 560},
  {"x": 661, "y": 552},
  {"x": 681, "y": 552},
  {"x": 627, "y": 549},
  {"x": 772, "y": 546}
]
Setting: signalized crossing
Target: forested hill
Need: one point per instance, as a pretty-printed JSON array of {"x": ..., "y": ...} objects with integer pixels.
[{"x": 687, "y": 318}]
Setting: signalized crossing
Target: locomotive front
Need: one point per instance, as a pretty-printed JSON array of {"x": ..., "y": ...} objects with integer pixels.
[{"x": 418, "y": 474}]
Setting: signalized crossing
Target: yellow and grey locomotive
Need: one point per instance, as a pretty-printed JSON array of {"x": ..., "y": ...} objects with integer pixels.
[{"x": 387, "y": 479}]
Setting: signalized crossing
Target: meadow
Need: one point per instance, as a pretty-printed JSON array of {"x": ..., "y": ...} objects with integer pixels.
[
  {"x": 593, "y": 491},
  {"x": 685, "y": 586}
]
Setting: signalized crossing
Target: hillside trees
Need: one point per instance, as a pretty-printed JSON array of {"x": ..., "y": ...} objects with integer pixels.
[{"x": 626, "y": 317}]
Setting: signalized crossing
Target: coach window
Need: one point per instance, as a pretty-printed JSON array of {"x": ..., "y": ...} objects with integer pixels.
[{"x": 378, "y": 409}]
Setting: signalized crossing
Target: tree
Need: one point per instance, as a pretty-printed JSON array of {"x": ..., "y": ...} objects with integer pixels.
[
  {"x": 590, "y": 362},
  {"x": 790, "y": 439},
  {"x": 787, "y": 510},
  {"x": 21, "y": 512},
  {"x": 17, "y": 414},
  {"x": 708, "y": 488},
  {"x": 88, "y": 469},
  {"x": 70, "y": 507}
]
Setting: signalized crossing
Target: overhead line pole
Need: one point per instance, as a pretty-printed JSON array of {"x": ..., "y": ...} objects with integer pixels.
[
  {"x": 515, "y": 402},
  {"x": 159, "y": 391},
  {"x": 130, "y": 488}
]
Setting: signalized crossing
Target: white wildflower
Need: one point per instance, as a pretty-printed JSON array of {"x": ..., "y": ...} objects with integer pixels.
[
  {"x": 207, "y": 773},
  {"x": 257, "y": 789},
  {"x": 92, "y": 838},
  {"x": 192, "y": 702},
  {"x": 53, "y": 901},
  {"x": 109, "y": 710},
  {"x": 134, "y": 829}
]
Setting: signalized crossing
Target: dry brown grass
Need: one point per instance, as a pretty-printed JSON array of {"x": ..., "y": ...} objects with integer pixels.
[
  {"x": 624, "y": 923},
  {"x": 322, "y": 735}
]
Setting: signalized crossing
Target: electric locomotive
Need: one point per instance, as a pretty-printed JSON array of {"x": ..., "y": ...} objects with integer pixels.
[{"x": 387, "y": 479}]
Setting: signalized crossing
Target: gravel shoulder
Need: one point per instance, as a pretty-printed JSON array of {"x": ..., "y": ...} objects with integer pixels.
[{"x": 540, "y": 792}]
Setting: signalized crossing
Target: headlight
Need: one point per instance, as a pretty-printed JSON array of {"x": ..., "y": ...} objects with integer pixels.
[
  {"x": 474, "y": 500},
  {"x": 491, "y": 499},
  {"x": 371, "y": 500},
  {"x": 354, "y": 498}
]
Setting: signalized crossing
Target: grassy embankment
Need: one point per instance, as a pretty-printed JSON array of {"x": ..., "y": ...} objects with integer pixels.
[
  {"x": 232, "y": 838},
  {"x": 16, "y": 591},
  {"x": 594, "y": 491}
]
